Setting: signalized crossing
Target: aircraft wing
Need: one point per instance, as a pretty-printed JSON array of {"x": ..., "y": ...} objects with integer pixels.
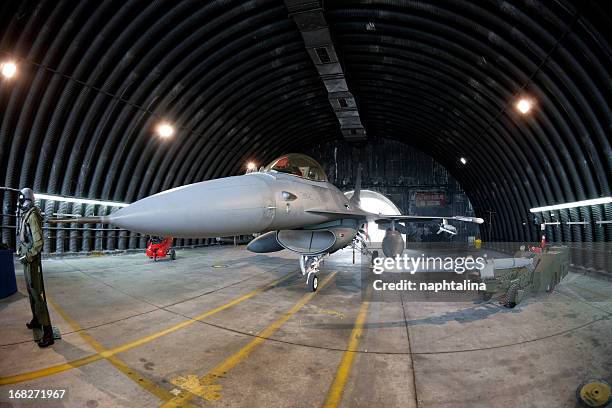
[
  {"x": 357, "y": 214},
  {"x": 381, "y": 218}
]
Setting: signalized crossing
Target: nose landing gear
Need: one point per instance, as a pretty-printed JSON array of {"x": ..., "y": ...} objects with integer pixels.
[{"x": 310, "y": 265}]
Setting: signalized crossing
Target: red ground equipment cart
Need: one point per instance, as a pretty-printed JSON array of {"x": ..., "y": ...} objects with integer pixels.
[{"x": 160, "y": 247}]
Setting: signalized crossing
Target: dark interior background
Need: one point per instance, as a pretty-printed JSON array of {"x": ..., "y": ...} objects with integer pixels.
[{"x": 412, "y": 180}]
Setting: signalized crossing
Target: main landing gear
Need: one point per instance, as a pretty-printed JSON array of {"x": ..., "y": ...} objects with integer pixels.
[{"x": 310, "y": 265}]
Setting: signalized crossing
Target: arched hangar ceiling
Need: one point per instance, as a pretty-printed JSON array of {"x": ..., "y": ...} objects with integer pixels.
[{"x": 234, "y": 77}]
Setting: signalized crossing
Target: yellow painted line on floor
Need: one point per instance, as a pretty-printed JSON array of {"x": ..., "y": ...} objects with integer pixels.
[
  {"x": 56, "y": 369},
  {"x": 334, "y": 395},
  {"x": 132, "y": 374},
  {"x": 206, "y": 387},
  {"x": 45, "y": 372}
]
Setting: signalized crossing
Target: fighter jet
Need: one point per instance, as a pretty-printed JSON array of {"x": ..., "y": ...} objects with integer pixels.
[{"x": 290, "y": 203}]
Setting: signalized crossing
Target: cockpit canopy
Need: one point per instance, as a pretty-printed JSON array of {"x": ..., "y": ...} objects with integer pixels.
[{"x": 299, "y": 165}]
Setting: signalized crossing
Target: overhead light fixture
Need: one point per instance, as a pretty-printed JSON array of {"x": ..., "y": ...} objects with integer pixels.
[
  {"x": 251, "y": 166},
  {"x": 8, "y": 69},
  {"x": 524, "y": 105},
  {"x": 463, "y": 160},
  {"x": 584, "y": 203},
  {"x": 165, "y": 130},
  {"x": 40, "y": 196}
]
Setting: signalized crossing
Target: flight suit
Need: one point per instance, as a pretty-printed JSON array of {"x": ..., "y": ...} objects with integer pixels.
[{"x": 29, "y": 248}]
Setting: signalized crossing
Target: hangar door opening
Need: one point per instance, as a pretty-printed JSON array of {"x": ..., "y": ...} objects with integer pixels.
[{"x": 378, "y": 204}]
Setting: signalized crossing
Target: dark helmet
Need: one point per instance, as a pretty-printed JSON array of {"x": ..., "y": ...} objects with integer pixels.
[{"x": 26, "y": 198}]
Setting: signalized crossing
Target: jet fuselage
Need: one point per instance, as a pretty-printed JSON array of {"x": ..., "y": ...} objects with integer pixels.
[{"x": 251, "y": 203}]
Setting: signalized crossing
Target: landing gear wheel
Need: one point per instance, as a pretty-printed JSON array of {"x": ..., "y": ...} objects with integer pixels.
[
  {"x": 312, "y": 282},
  {"x": 594, "y": 393},
  {"x": 155, "y": 258},
  {"x": 173, "y": 254}
]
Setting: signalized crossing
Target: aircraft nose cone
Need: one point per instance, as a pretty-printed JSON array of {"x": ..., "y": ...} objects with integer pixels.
[{"x": 215, "y": 208}]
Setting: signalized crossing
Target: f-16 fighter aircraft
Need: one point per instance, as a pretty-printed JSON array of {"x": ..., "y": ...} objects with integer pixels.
[{"x": 290, "y": 203}]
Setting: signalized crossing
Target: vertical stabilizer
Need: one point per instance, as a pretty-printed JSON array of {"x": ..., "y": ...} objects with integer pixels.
[{"x": 356, "y": 198}]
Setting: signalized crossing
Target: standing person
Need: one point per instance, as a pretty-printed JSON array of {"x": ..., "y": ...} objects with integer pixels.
[{"x": 29, "y": 248}]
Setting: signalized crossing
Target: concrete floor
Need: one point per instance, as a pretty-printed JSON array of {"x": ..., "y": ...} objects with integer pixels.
[{"x": 224, "y": 327}]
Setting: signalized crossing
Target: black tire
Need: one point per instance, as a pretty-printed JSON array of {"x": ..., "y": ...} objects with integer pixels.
[
  {"x": 155, "y": 258},
  {"x": 312, "y": 282},
  {"x": 173, "y": 254}
]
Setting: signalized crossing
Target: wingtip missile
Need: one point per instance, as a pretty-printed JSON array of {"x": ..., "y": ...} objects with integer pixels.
[{"x": 469, "y": 219}]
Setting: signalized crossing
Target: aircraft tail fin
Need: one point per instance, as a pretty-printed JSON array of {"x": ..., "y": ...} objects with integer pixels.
[{"x": 356, "y": 198}]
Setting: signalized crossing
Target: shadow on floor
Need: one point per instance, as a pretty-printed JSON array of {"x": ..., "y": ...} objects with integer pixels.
[
  {"x": 478, "y": 312},
  {"x": 15, "y": 297}
]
